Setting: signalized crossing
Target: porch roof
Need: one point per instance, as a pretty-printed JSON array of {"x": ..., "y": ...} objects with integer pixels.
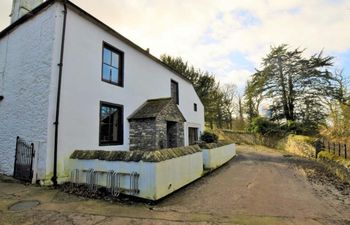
[{"x": 153, "y": 108}]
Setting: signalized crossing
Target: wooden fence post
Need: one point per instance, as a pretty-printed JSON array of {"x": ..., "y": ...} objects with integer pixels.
[
  {"x": 318, "y": 147},
  {"x": 329, "y": 147}
]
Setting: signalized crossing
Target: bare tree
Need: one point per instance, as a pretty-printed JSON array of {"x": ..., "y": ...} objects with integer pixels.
[{"x": 232, "y": 104}]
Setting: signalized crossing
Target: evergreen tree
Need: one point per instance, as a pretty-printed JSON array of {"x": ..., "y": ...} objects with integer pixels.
[
  {"x": 205, "y": 85},
  {"x": 295, "y": 85}
]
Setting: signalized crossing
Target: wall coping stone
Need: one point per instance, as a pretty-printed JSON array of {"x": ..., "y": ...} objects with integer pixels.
[
  {"x": 135, "y": 156},
  {"x": 213, "y": 146}
]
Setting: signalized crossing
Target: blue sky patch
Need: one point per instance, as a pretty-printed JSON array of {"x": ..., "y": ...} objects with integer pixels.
[
  {"x": 342, "y": 61},
  {"x": 294, "y": 11},
  {"x": 246, "y": 18},
  {"x": 240, "y": 61},
  {"x": 207, "y": 38}
]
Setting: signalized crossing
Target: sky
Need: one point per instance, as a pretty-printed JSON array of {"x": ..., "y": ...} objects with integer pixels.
[{"x": 225, "y": 37}]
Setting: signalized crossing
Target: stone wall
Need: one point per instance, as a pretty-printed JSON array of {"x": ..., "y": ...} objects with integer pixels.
[
  {"x": 143, "y": 134},
  {"x": 180, "y": 135},
  {"x": 151, "y": 134},
  {"x": 171, "y": 113},
  {"x": 161, "y": 134}
]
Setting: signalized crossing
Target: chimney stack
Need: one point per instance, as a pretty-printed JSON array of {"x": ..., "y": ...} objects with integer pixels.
[{"x": 22, "y": 7}]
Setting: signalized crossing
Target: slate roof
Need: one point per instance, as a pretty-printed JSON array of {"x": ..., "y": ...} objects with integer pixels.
[{"x": 150, "y": 109}]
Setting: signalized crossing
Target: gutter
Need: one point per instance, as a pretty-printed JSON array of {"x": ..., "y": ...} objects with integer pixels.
[{"x": 60, "y": 64}]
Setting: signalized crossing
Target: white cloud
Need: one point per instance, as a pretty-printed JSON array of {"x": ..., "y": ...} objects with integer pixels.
[
  {"x": 5, "y": 11},
  {"x": 177, "y": 27},
  {"x": 238, "y": 77}
]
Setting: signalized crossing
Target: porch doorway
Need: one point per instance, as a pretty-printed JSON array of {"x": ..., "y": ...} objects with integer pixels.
[
  {"x": 171, "y": 132},
  {"x": 192, "y": 135}
]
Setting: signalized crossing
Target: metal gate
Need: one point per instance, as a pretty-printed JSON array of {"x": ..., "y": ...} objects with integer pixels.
[{"x": 24, "y": 160}]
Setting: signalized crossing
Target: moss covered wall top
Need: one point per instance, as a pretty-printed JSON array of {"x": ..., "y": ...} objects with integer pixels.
[
  {"x": 214, "y": 145},
  {"x": 135, "y": 156}
]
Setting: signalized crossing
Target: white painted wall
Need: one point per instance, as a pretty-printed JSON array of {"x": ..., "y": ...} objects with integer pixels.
[
  {"x": 156, "y": 179},
  {"x": 26, "y": 66},
  {"x": 82, "y": 88},
  {"x": 213, "y": 158},
  {"x": 28, "y": 79}
]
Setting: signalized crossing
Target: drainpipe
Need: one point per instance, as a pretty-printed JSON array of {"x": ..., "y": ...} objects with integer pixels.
[{"x": 60, "y": 65}]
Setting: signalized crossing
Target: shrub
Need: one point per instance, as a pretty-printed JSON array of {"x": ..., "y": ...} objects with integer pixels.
[
  {"x": 301, "y": 145},
  {"x": 294, "y": 127},
  {"x": 264, "y": 126},
  {"x": 209, "y": 137}
]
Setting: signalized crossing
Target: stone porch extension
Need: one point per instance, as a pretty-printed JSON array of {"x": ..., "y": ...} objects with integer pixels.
[{"x": 157, "y": 124}]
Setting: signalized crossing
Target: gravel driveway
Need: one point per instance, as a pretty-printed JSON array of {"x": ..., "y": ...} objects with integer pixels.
[{"x": 259, "y": 186}]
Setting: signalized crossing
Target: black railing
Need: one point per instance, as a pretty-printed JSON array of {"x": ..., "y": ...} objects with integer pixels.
[
  {"x": 24, "y": 160},
  {"x": 336, "y": 148}
]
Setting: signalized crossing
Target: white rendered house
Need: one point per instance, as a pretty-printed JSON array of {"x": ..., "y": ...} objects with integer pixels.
[{"x": 68, "y": 81}]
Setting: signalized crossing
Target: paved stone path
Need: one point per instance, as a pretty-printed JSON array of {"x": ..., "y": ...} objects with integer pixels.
[{"x": 259, "y": 186}]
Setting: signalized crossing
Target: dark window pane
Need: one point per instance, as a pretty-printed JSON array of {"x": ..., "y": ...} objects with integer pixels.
[
  {"x": 112, "y": 68},
  {"x": 175, "y": 91},
  {"x": 106, "y": 72},
  {"x": 114, "y": 125},
  {"x": 115, "y": 60},
  {"x": 114, "y": 75},
  {"x": 104, "y": 132},
  {"x": 111, "y": 124},
  {"x": 107, "y": 56}
]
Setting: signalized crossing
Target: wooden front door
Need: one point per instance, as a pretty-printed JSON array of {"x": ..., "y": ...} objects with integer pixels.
[{"x": 192, "y": 135}]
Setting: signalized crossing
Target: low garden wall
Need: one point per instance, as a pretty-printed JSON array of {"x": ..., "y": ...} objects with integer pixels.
[
  {"x": 241, "y": 137},
  {"x": 147, "y": 174},
  {"x": 214, "y": 156},
  {"x": 159, "y": 173}
]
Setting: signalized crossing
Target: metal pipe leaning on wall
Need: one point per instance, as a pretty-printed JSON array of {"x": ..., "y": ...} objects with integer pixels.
[{"x": 113, "y": 181}]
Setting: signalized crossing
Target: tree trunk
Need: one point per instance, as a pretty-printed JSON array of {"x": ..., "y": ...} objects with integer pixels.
[
  {"x": 240, "y": 108},
  {"x": 284, "y": 93},
  {"x": 291, "y": 98}
]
